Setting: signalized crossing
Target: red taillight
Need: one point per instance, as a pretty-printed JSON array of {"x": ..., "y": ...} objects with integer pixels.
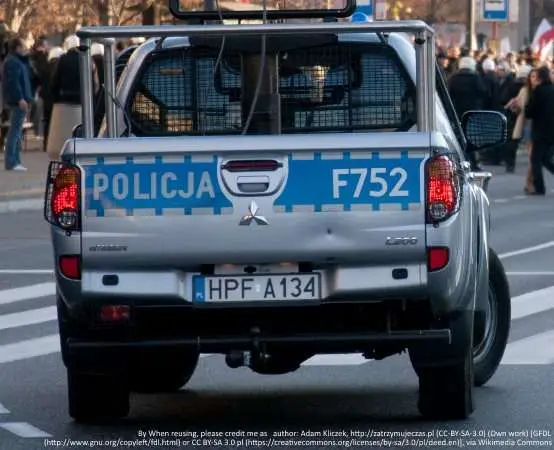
[
  {"x": 252, "y": 166},
  {"x": 442, "y": 188},
  {"x": 437, "y": 258},
  {"x": 70, "y": 266},
  {"x": 114, "y": 313},
  {"x": 62, "y": 202}
]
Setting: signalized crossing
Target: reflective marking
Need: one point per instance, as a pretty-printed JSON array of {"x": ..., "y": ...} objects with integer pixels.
[
  {"x": 415, "y": 206},
  {"x": 144, "y": 159},
  {"x": 279, "y": 209},
  {"x": 303, "y": 208},
  {"x": 226, "y": 211},
  {"x": 173, "y": 211},
  {"x": 304, "y": 156},
  {"x": 115, "y": 160},
  {"x": 144, "y": 212},
  {"x": 24, "y": 430},
  {"x": 361, "y": 155},
  {"x": 390, "y": 155},
  {"x": 202, "y": 211},
  {"x": 87, "y": 161},
  {"x": 170, "y": 159},
  {"x": 390, "y": 207},
  {"x": 30, "y": 348},
  {"x": 201, "y": 158},
  {"x": 523, "y": 251},
  {"x": 25, "y": 318},
  {"x": 27, "y": 293},
  {"x": 331, "y": 155},
  {"x": 115, "y": 212},
  {"x": 367, "y": 207},
  {"x": 416, "y": 154},
  {"x": 332, "y": 208}
]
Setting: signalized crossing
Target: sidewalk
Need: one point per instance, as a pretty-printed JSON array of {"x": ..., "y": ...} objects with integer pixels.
[{"x": 24, "y": 190}]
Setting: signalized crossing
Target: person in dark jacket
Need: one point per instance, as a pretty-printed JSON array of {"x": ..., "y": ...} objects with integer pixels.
[
  {"x": 540, "y": 109},
  {"x": 468, "y": 93},
  {"x": 509, "y": 87},
  {"x": 18, "y": 95},
  {"x": 491, "y": 156}
]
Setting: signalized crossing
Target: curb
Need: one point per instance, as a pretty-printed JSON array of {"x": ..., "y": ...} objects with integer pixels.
[{"x": 27, "y": 204}]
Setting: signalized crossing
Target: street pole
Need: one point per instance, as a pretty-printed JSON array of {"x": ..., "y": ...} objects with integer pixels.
[{"x": 470, "y": 25}]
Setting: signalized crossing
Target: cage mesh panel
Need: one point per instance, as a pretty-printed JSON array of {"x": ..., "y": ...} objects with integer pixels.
[
  {"x": 177, "y": 95},
  {"x": 345, "y": 88},
  {"x": 328, "y": 88}
]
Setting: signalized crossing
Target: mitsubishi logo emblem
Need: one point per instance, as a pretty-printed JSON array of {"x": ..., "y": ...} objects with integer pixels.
[{"x": 252, "y": 215}]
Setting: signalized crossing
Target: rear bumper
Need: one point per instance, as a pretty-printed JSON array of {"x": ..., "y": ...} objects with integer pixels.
[
  {"x": 215, "y": 344},
  {"x": 354, "y": 327}
]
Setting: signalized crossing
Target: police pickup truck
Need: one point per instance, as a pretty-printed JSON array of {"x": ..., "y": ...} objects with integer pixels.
[{"x": 269, "y": 197}]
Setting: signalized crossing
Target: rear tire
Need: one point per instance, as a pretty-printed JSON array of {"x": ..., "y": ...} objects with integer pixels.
[
  {"x": 168, "y": 375},
  {"x": 446, "y": 392},
  {"x": 96, "y": 397},
  {"x": 493, "y": 325}
]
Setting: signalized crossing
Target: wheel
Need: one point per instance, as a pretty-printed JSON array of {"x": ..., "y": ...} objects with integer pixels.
[
  {"x": 492, "y": 326},
  {"x": 96, "y": 397},
  {"x": 168, "y": 375},
  {"x": 446, "y": 392}
]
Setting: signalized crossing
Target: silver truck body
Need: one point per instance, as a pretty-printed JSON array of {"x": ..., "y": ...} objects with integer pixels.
[{"x": 343, "y": 218}]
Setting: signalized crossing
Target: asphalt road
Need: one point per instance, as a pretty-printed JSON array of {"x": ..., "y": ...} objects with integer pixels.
[{"x": 341, "y": 392}]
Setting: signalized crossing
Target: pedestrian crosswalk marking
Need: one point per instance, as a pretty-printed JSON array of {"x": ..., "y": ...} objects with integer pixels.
[
  {"x": 536, "y": 350},
  {"x": 29, "y": 348},
  {"x": 533, "y": 303},
  {"x": 24, "y": 430},
  {"x": 27, "y": 293},
  {"x": 31, "y": 317}
]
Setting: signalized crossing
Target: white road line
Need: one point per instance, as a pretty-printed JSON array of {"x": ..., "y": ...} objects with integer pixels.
[
  {"x": 523, "y": 251},
  {"x": 30, "y": 348},
  {"x": 530, "y": 274},
  {"x": 537, "y": 349},
  {"x": 27, "y": 293},
  {"x": 30, "y": 317},
  {"x": 354, "y": 359},
  {"x": 24, "y": 430},
  {"x": 502, "y": 200},
  {"x": 26, "y": 271},
  {"x": 3, "y": 409},
  {"x": 533, "y": 303}
]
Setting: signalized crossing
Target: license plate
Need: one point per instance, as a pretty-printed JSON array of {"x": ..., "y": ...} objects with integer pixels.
[{"x": 256, "y": 288}]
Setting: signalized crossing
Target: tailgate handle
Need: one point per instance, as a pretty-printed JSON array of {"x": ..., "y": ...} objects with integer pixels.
[{"x": 253, "y": 185}]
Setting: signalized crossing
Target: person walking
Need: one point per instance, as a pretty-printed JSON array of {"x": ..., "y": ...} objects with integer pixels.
[
  {"x": 53, "y": 56},
  {"x": 18, "y": 95},
  {"x": 468, "y": 92},
  {"x": 540, "y": 109}
]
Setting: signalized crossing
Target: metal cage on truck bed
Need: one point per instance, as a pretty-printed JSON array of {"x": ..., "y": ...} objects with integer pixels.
[{"x": 183, "y": 92}]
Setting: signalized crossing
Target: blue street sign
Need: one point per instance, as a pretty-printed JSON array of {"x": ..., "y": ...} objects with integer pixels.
[{"x": 496, "y": 10}]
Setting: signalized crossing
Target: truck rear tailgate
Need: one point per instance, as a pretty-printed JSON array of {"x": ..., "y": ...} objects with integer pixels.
[{"x": 184, "y": 202}]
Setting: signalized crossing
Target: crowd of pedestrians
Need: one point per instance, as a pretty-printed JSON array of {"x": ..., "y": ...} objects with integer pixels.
[
  {"x": 42, "y": 85},
  {"x": 519, "y": 86}
]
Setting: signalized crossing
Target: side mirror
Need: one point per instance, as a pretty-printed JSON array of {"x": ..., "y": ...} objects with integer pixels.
[
  {"x": 77, "y": 131},
  {"x": 484, "y": 129}
]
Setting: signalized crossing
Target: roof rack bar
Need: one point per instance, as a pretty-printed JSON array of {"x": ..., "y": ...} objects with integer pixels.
[{"x": 409, "y": 26}]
